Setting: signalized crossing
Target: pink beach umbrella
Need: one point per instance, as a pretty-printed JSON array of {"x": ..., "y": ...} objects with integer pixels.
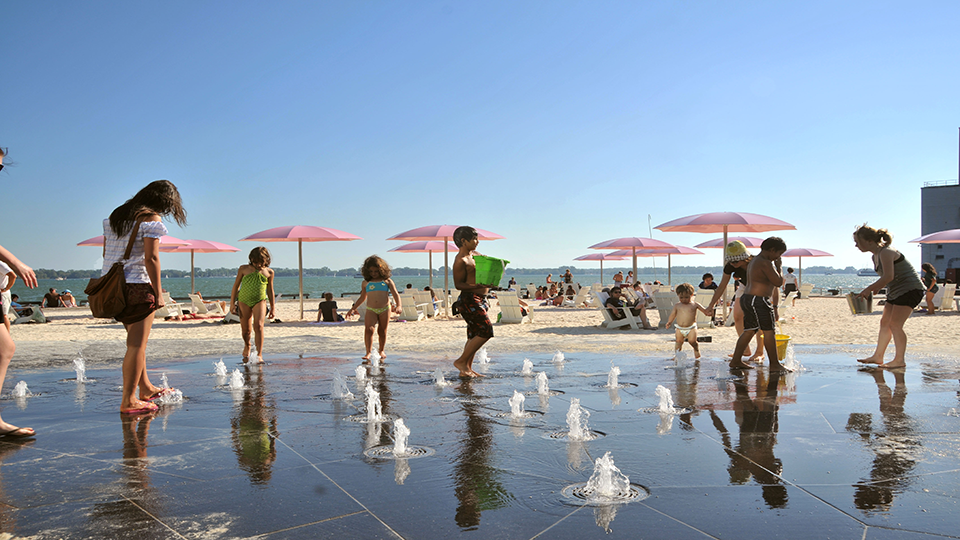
[
  {"x": 426, "y": 247},
  {"x": 804, "y": 252},
  {"x": 198, "y": 246},
  {"x": 600, "y": 257},
  {"x": 675, "y": 250},
  {"x": 950, "y": 236},
  {"x": 632, "y": 244},
  {"x": 748, "y": 241},
  {"x": 726, "y": 222},
  {"x": 97, "y": 241},
  {"x": 300, "y": 234},
  {"x": 443, "y": 233}
]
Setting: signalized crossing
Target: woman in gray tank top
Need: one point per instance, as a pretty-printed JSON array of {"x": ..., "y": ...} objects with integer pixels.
[{"x": 904, "y": 292}]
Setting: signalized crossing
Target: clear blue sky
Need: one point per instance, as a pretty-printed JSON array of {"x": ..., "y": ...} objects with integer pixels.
[{"x": 555, "y": 124}]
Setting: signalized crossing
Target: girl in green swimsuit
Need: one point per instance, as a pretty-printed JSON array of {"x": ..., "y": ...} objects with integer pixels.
[
  {"x": 375, "y": 291},
  {"x": 254, "y": 285}
]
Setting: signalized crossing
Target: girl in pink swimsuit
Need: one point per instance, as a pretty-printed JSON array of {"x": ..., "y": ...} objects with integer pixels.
[{"x": 375, "y": 291}]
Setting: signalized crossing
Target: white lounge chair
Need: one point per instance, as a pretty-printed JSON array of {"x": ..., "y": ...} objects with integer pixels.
[
  {"x": 582, "y": 298},
  {"x": 703, "y": 297},
  {"x": 943, "y": 299},
  {"x": 805, "y": 290},
  {"x": 664, "y": 301},
  {"x": 599, "y": 299},
  {"x": 511, "y": 312},
  {"x": 786, "y": 304},
  {"x": 35, "y": 315},
  {"x": 531, "y": 291},
  {"x": 174, "y": 305},
  {"x": 205, "y": 308},
  {"x": 409, "y": 309},
  {"x": 425, "y": 299}
]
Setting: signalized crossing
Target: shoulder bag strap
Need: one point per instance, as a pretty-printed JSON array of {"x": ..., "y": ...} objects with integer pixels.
[{"x": 133, "y": 236}]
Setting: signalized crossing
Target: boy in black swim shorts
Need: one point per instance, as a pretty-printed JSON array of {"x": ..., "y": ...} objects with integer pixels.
[
  {"x": 763, "y": 281},
  {"x": 473, "y": 300}
]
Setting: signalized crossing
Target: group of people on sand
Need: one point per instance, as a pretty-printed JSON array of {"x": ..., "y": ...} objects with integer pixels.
[
  {"x": 252, "y": 296},
  {"x": 757, "y": 300}
]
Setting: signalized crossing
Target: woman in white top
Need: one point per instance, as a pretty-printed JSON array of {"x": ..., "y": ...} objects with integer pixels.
[{"x": 142, "y": 272}]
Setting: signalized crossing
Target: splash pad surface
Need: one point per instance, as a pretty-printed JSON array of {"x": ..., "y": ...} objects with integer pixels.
[{"x": 833, "y": 451}]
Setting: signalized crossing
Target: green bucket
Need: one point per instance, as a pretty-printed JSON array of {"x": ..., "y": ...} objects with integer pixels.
[{"x": 489, "y": 270}]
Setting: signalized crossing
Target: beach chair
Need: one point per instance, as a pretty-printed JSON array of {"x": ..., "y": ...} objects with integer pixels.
[
  {"x": 703, "y": 297},
  {"x": 423, "y": 298},
  {"x": 943, "y": 300},
  {"x": 35, "y": 315},
  {"x": 664, "y": 301},
  {"x": 582, "y": 299},
  {"x": 206, "y": 308},
  {"x": 608, "y": 321},
  {"x": 169, "y": 301},
  {"x": 805, "y": 290},
  {"x": 531, "y": 290},
  {"x": 168, "y": 310},
  {"x": 510, "y": 310},
  {"x": 409, "y": 309},
  {"x": 786, "y": 304}
]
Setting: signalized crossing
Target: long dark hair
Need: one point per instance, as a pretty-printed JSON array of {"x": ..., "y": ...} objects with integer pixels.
[{"x": 159, "y": 197}]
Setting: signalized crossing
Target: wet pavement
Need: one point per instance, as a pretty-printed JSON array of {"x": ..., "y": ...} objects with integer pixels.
[{"x": 832, "y": 452}]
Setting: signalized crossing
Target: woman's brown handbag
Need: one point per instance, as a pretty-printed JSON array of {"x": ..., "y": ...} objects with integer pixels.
[{"x": 105, "y": 294}]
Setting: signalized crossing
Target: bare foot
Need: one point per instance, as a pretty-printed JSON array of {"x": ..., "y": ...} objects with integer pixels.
[
  {"x": 757, "y": 358},
  {"x": 696, "y": 353},
  {"x": 462, "y": 367},
  {"x": 779, "y": 368},
  {"x": 891, "y": 365},
  {"x": 383, "y": 354},
  {"x": 475, "y": 374},
  {"x": 366, "y": 357},
  {"x": 745, "y": 353},
  {"x": 259, "y": 360},
  {"x": 246, "y": 352},
  {"x": 871, "y": 360},
  {"x": 736, "y": 364}
]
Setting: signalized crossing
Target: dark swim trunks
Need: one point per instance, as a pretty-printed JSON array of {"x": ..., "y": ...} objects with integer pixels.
[
  {"x": 473, "y": 309},
  {"x": 757, "y": 312}
]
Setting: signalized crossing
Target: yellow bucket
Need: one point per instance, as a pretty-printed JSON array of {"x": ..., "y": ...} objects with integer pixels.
[{"x": 782, "y": 341}]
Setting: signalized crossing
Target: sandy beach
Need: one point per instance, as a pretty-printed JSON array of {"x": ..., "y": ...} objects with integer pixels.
[{"x": 814, "y": 321}]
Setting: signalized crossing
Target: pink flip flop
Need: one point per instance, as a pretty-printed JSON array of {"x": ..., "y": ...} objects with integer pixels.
[{"x": 142, "y": 410}]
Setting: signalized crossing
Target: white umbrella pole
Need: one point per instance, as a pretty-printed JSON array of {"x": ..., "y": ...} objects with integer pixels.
[
  {"x": 669, "y": 271},
  {"x": 430, "y": 263},
  {"x": 446, "y": 282},
  {"x": 800, "y": 269},
  {"x": 601, "y": 271},
  {"x": 300, "y": 254},
  {"x": 634, "y": 263},
  {"x": 192, "y": 288},
  {"x": 722, "y": 259}
]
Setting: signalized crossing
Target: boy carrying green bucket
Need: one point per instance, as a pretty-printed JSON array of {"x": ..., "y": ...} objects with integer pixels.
[{"x": 472, "y": 304}]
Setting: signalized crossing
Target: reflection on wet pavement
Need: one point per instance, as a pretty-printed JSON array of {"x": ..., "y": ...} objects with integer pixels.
[{"x": 834, "y": 451}]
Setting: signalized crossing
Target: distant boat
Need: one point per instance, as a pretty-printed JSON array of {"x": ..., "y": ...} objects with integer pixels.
[
  {"x": 867, "y": 272},
  {"x": 358, "y": 276}
]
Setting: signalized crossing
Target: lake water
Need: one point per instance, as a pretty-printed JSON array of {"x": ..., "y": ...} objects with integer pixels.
[{"x": 316, "y": 286}]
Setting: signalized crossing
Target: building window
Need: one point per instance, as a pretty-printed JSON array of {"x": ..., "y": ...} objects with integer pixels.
[{"x": 938, "y": 257}]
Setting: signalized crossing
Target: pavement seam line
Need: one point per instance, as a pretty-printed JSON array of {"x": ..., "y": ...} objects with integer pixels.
[
  {"x": 155, "y": 518},
  {"x": 334, "y": 482}
]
